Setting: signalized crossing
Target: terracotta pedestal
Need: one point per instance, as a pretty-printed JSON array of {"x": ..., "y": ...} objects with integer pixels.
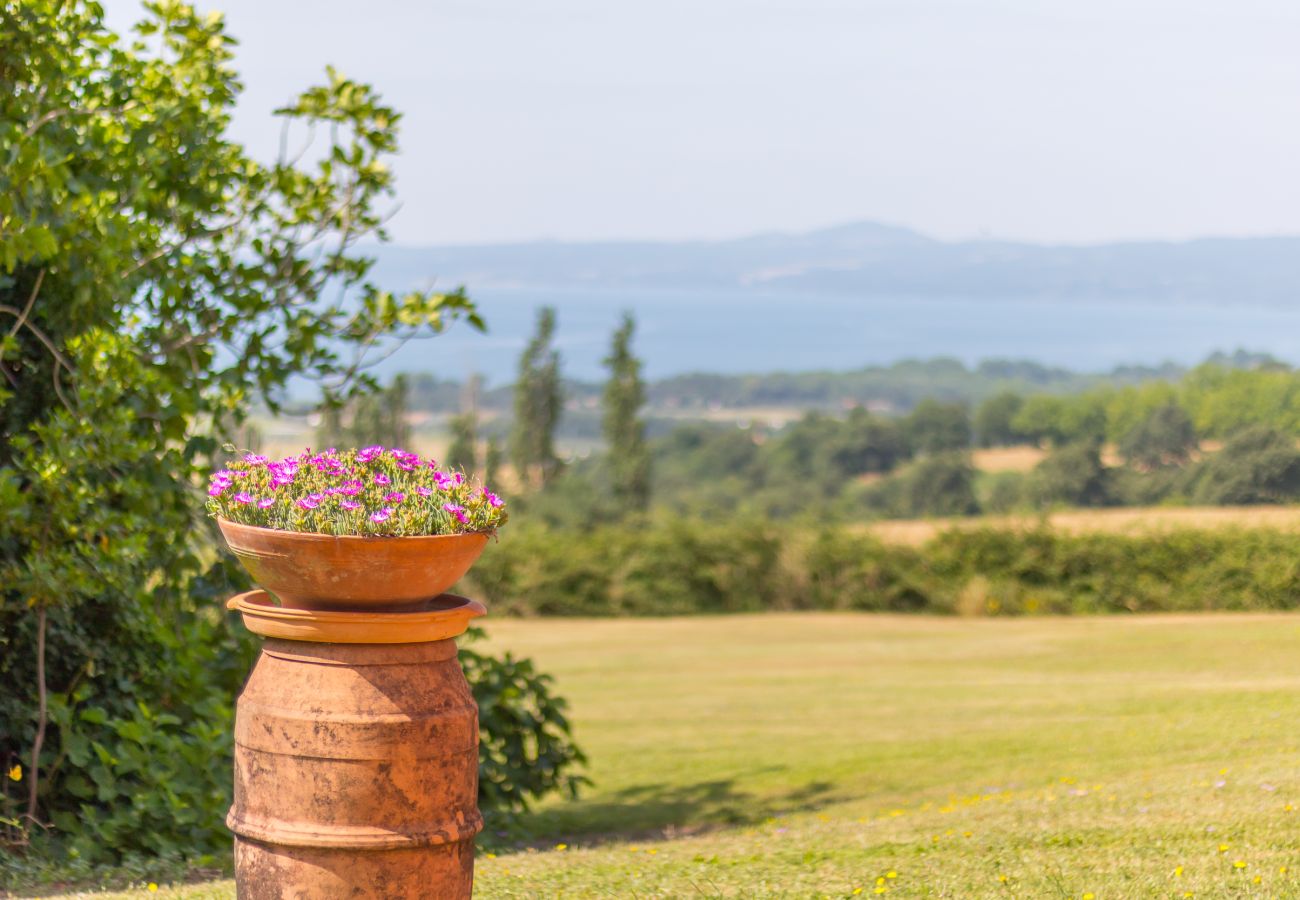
[{"x": 356, "y": 755}]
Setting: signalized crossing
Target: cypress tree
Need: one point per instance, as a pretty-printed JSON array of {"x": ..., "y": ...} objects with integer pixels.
[
  {"x": 492, "y": 463},
  {"x": 629, "y": 458},
  {"x": 378, "y": 418},
  {"x": 463, "y": 453},
  {"x": 538, "y": 402}
]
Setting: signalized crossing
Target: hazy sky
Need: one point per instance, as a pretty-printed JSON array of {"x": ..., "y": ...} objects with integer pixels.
[{"x": 604, "y": 119}]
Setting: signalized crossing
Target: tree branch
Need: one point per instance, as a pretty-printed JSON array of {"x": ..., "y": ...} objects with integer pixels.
[
  {"x": 42, "y": 714},
  {"x": 31, "y": 300}
]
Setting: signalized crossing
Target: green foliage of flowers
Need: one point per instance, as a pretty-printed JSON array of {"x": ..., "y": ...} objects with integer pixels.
[{"x": 375, "y": 491}]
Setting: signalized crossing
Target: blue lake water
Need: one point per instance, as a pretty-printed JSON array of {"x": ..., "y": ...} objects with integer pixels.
[{"x": 743, "y": 331}]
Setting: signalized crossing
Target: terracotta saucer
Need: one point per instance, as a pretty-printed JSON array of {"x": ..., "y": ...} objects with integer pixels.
[{"x": 445, "y": 616}]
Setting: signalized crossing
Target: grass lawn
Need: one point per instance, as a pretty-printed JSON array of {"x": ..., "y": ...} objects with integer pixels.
[{"x": 851, "y": 755}]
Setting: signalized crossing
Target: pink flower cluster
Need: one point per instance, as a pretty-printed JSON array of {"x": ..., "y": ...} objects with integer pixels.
[{"x": 369, "y": 491}]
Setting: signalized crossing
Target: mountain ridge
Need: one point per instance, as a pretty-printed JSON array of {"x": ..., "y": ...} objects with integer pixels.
[{"x": 871, "y": 259}]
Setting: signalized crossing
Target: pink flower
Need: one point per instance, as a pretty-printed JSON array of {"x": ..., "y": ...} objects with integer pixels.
[
  {"x": 458, "y": 511},
  {"x": 254, "y": 460},
  {"x": 351, "y": 488},
  {"x": 311, "y": 501},
  {"x": 349, "y": 505},
  {"x": 395, "y": 497},
  {"x": 381, "y": 478},
  {"x": 424, "y": 492},
  {"x": 243, "y": 498},
  {"x": 382, "y": 515},
  {"x": 492, "y": 499},
  {"x": 266, "y": 502}
]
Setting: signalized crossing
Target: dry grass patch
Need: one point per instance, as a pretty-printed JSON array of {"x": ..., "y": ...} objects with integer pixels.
[{"x": 1122, "y": 520}]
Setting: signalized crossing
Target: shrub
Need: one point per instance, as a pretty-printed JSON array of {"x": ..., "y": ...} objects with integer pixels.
[
  {"x": 526, "y": 747},
  {"x": 692, "y": 567}
]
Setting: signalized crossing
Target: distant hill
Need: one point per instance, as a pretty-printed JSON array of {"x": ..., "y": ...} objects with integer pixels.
[{"x": 869, "y": 259}]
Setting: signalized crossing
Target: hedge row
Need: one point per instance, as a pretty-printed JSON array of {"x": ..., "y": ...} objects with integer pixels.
[{"x": 683, "y": 567}]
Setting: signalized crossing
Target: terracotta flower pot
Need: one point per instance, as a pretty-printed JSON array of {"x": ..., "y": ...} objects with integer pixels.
[{"x": 329, "y": 572}]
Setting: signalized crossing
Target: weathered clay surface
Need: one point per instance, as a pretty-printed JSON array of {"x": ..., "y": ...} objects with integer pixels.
[
  {"x": 352, "y": 572},
  {"x": 356, "y": 772},
  {"x": 266, "y": 872}
]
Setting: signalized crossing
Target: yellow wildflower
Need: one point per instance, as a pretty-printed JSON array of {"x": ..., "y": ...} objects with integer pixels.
[
  {"x": 1239, "y": 864},
  {"x": 891, "y": 874},
  {"x": 1002, "y": 878},
  {"x": 561, "y": 846},
  {"x": 16, "y": 773},
  {"x": 1178, "y": 871},
  {"x": 1090, "y": 896},
  {"x": 153, "y": 887},
  {"x": 857, "y": 891}
]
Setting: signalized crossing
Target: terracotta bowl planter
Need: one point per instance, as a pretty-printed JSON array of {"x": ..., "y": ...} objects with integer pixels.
[{"x": 328, "y": 572}]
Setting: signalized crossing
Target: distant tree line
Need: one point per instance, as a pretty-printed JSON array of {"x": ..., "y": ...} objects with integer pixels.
[
  {"x": 896, "y": 388},
  {"x": 1133, "y": 444}
]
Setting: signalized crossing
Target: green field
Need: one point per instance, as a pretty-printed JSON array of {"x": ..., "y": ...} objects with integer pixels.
[{"x": 850, "y": 755}]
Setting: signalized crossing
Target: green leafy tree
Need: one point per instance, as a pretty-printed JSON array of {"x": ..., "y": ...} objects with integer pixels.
[
  {"x": 866, "y": 444},
  {"x": 1129, "y": 407},
  {"x": 1224, "y": 402},
  {"x": 1072, "y": 475},
  {"x": 935, "y": 427},
  {"x": 1063, "y": 420},
  {"x": 994, "y": 421},
  {"x": 1260, "y": 465},
  {"x": 156, "y": 280},
  {"x": 939, "y": 484},
  {"x": 539, "y": 400},
  {"x": 1166, "y": 437},
  {"x": 629, "y": 458}
]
